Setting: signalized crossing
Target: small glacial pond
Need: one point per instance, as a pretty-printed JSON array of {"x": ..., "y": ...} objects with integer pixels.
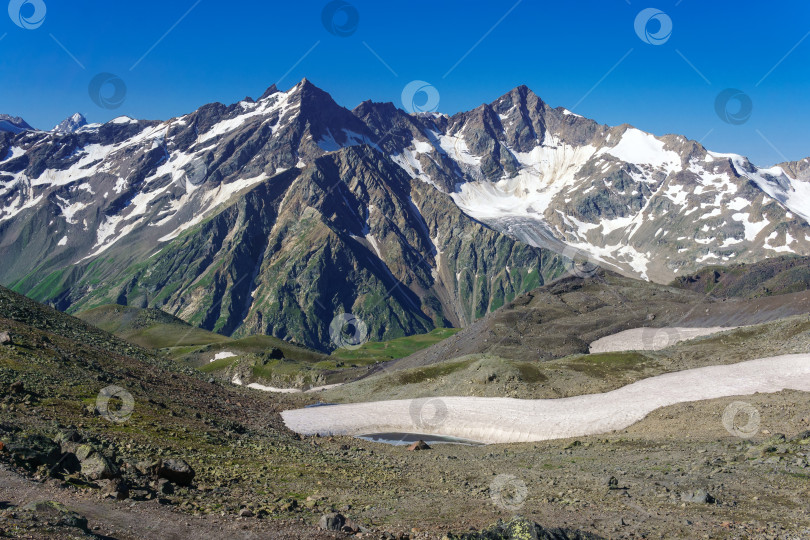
[
  {"x": 319, "y": 404},
  {"x": 402, "y": 439}
]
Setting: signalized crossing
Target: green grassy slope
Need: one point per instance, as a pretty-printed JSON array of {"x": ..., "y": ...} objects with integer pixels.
[{"x": 395, "y": 348}]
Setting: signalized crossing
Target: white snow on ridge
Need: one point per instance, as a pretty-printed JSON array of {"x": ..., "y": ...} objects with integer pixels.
[
  {"x": 455, "y": 147},
  {"x": 69, "y": 211},
  {"x": 791, "y": 193},
  {"x": 651, "y": 339},
  {"x": 24, "y": 200},
  {"x": 642, "y": 148},
  {"x": 213, "y": 198},
  {"x": 329, "y": 144},
  {"x": 257, "y": 386},
  {"x": 422, "y": 147},
  {"x": 779, "y": 249},
  {"x": 81, "y": 169},
  {"x": 276, "y": 102},
  {"x": 13, "y": 153}
]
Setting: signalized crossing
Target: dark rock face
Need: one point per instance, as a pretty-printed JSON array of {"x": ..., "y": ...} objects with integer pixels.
[
  {"x": 13, "y": 124},
  {"x": 176, "y": 470},
  {"x": 326, "y": 222},
  {"x": 33, "y": 451}
]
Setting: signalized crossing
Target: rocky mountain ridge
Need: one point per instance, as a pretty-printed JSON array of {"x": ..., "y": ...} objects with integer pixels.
[{"x": 276, "y": 215}]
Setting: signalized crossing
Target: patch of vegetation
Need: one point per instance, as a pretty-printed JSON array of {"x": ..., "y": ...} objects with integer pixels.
[
  {"x": 149, "y": 328},
  {"x": 396, "y": 348},
  {"x": 610, "y": 364},
  {"x": 415, "y": 376},
  {"x": 216, "y": 365},
  {"x": 155, "y": 329},
  {"x": 530, "y": 373}
]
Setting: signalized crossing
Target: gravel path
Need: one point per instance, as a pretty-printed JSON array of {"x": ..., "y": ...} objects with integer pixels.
[
  {"x": 651, "y": 339},
  {"x": 502, "y": 420},
  {"x": 128, "y": 520}
]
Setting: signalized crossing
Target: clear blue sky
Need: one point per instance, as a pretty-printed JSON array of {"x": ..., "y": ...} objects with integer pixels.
[{"x": 224, "y": 51}]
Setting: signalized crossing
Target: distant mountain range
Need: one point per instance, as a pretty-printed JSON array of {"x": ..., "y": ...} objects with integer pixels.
[
  {"x": 278, "y": 214},
  {"x": 13, "y": 124}
]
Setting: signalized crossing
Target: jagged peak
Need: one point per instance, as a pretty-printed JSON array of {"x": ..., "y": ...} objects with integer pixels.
[
  {"x": 367, "y": 106},
  {"x": 272, "y": 89},
  {"x": 518, "y": 95},
  {"x": 71, "y": 124},
  {"x": 305, "y": 87}
]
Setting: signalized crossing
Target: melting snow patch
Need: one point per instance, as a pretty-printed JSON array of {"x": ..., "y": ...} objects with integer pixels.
[
  {"x": 752, "y": 229},
  {"x": 257, "y": 386},
  {"x": 642, "y": 148},
  {"x": 502, "y": 420},
  {"x": 222, "y": 355}
]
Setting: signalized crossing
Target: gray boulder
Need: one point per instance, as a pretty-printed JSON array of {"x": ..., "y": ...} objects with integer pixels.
[
  {"x": 94, "y": 464},
  {"x": 700, "y": 496},
  {"x": 332, "y": 521},
  {"x": 96, "y": 467}
]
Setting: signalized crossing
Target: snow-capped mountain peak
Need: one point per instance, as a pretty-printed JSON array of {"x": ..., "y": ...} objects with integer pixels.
[{"x": 70, "y": 124}]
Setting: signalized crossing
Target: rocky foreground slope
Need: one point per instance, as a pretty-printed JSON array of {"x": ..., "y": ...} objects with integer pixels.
[{"x": 188, "y": 456}]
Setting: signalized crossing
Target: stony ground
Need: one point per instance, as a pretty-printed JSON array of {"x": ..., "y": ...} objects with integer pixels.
[{"x": 677, "y": 474}]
